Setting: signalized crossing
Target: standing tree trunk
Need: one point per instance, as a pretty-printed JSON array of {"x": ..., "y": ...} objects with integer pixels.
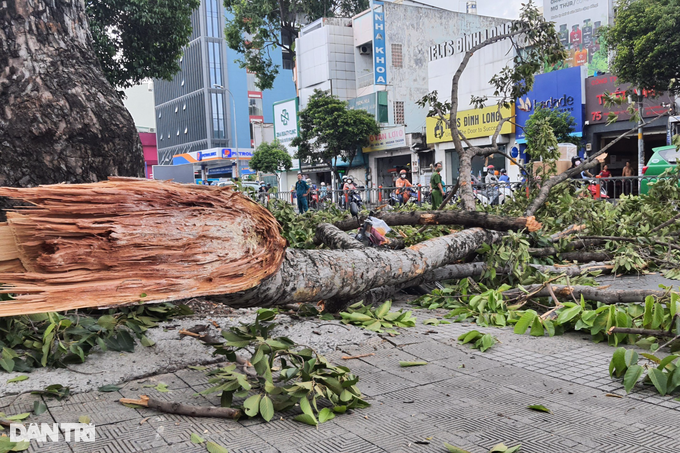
[{"x": 61, "y": 120}]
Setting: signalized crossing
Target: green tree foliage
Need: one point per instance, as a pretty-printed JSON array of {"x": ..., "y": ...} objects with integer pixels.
[
  {"x": 259, "y": 26},
  {"x": 270, "y": 158},
  {"x": 544, "y": 129},
  {"x": 138, "y": 39},
  {"x": 645, "y": 39},
  {"x": 329, "y": 130}
]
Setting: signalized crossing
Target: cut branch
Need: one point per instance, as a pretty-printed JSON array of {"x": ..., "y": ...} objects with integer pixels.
[
  {"x": 575, "y": 245},
  {"x": 463, "y": 218},
  {"x": 183, "y": 409},
  {"x": 634, "y": 331},
  {"x": 599, "y": 294}
]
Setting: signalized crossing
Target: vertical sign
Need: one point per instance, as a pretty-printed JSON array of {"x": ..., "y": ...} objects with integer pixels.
[
  {"x": 379, "y": 55},
  {"x": 286, "y": 125}
]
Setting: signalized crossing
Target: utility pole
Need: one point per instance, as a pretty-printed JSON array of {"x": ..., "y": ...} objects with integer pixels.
[{"x": 641, "y": 142}]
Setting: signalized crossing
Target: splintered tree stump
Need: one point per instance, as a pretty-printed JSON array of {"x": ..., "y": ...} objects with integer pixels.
[
  {"x": 132, "y": 240},
  {"x": 128, "y": 240}
]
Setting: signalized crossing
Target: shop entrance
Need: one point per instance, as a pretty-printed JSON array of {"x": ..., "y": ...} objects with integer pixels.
[
  {"x": 626, "y": 150},
  {"x": 478, "y": 163},
  {"x": 389, "y": 168}
]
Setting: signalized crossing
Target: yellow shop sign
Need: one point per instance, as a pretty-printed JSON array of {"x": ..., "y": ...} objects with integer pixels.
[{"x": 472, "y": 123}]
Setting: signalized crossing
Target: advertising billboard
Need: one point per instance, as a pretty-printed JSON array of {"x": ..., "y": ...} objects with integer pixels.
[
  {"x": 286, "y": 126},
  {"x": 597, "y": 112},
  {"x": 379, "y": 53},
  {"x": 558, "y": 90},
  {"x": 472, "y": 123},
  {"x": 394, "y": 137},
  {"x": 577, "y": 23}
]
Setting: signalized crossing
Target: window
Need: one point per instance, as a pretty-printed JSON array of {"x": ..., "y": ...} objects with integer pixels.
[
  {"x": 214, "y": 63},
  {"x": 212, "y": 17},
  {"x": 255, "y": 107},
  {"x": 397, "y": 57},
  {"x": 217, "y": 100},
  {"x": 398, "y": 112}
]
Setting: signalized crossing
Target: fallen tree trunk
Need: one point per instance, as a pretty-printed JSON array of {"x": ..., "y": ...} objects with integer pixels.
[
  {"x": 586, "y": 257},
  {"x": 574, "y": 245},
  {"x": 597, "y": 293},
  {"x": 463, "y": 218},
  {"x": 128, "y": 241}
]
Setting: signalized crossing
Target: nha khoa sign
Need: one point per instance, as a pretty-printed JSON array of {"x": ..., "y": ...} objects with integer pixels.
[
  {"x": 80, "y": 432},
  {"x": 467, "y": 41},
  {"x": 473, "y": 123},
  {"x": 391, "y": 138},
  {"x": 379, "y": 54}
]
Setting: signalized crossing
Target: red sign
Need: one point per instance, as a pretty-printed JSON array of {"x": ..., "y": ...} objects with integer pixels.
[{"x": 596, "y": 110}]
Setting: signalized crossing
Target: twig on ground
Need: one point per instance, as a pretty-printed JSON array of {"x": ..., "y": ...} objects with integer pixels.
[
  {"x": 360, "y": 356},
  {"x": 183, "y": 409}
]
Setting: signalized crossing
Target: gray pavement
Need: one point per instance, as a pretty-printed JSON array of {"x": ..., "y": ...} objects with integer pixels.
[{"x": 469, "y": 399}]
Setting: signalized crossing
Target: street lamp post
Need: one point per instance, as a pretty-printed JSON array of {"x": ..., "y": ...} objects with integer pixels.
[{"x": 233, "y": 107}]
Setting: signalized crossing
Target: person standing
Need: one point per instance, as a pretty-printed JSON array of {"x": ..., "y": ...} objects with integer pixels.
[
  {"x": 402, "y": 184},
  {"x": 627, "y": 183},
  {"x": 301, "y": 191},
  {"x": 436, "y": 186}
]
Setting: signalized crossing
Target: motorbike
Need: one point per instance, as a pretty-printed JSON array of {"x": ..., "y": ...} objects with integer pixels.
[
  {"x": 396, "y": 200},
  {"x": 314, "y": 199},
  {"x": 372, "y": 232},
  {"x": 495, "y": 194},
  {"x": 355, "y": 202}
]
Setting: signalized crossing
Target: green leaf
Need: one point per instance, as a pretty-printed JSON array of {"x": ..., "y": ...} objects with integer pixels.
[
  {"x": 20, "y": 378},
  {"x": 326, "y": 414},
  {"x": 674, "y": 380},
  {"x": 631, "y": 357},
  {"x": 7, "y": 446},
  {"x": 631, "y": 377},
  {"x": 647, "y": 319},
  {"x": 85, "y": 419},
  {"x": 524, "y": 322},
  {"x": 212, "y": 447},
  {"x": 109, "y": 388},
  {"x": 514, "y": 449},
  {"x": 659, "y": 379},
  {"x": 539, "y": 408},
  {"x": 486, "y": 342},
  {"x": 383, "y": 310},
  {"x": 567, "y": 314},
  {"x": 251, "y": 406},
  {"x": 537, "y": 328},
  {"x": 470, "y": 336},
  {"x": 407, "y": 364},
  {"x": 7, "y": 364},
  {"x": 453, "y": 449},
  {"x": 306, "y": 418},
  {"x": 266, "y": 408},
  {"x": 39, "y": 407},
  {"x": 198, "y": 368},
  {"x": 196, "y": 439},
  {"x": 618, "y": 363},
  {"x": 18, "y": 417},
  {"x": 306, "y": 408},
  {"x": 146, "y": 342}
]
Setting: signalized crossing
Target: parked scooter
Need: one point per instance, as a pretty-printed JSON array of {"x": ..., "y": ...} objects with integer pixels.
[
  {"x": 355, "y": 202},
  {"x": 372, "y": 232}
]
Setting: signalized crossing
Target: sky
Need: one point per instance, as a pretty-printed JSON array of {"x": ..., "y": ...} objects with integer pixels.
[{"x": 497, "y": 8}]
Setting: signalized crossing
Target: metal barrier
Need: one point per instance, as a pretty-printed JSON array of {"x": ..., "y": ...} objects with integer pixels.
[{"x": 492, "y": 193}]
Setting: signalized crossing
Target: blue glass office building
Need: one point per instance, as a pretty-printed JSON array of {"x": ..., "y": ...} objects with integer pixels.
[{"x": 195, "y": 110}]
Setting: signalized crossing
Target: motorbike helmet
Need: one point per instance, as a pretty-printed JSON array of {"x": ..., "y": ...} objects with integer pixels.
[
  {"x": 402, "y": 173},
  {"x": 349, "y": 180},
  {"x": 503, "y": 171},
  {"x": 323, "y": 184}
]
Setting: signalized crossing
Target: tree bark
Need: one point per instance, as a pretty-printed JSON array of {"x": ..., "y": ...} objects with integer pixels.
[
  {"x": 464, "y": 218},
  {"x": 334, "y": 238},
  {"x": 60, "y": 121},
  {"x": 586, "y": 257},
  {"x": 600, "y": 294}
]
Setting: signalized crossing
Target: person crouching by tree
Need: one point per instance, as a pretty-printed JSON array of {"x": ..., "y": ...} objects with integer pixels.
[
  {"x": 301, "y": 191},
  {"x": 436, "y": 186}
]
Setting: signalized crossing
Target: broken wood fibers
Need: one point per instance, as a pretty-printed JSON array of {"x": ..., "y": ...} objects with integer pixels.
[{"x": 130, "y": 240}]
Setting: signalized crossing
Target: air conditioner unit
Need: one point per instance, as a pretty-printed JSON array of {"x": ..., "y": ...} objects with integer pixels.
[{"x": 364, "y": 50}]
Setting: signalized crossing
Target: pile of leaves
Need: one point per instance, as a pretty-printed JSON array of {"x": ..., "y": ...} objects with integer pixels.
[
  {"x": 379, "y": 319},
  {"x": 56, "y": 340},
  {"x": 287, "y": 375}
]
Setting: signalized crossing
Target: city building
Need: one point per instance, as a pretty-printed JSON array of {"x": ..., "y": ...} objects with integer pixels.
[
  {"x": 209, "y": 107},
  {"x": 478, "y": 125},
  {"x": 378, "y": 61},
  {"x": 139, "y": 102}
]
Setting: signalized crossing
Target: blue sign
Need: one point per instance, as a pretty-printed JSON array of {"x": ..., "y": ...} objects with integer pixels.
[
  {"x": 228, "y": 153},
  {"x": 219, "y": 170},
  {"x": 379, "y": 54},
  {"x": 560, "y": 90}
]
